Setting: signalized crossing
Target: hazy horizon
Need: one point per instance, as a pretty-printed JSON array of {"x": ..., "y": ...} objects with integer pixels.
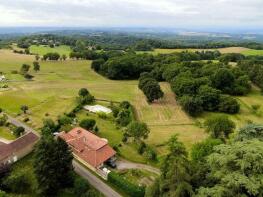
[{"x": 190, "y": 15}]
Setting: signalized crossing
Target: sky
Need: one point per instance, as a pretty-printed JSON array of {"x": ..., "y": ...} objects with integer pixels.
[{"x": 189, "y": 14}]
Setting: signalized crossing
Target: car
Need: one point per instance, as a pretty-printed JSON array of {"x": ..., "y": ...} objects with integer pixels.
[{"x": 111, "y": 163}]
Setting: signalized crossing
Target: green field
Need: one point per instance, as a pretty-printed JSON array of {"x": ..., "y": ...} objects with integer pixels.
[
  {"x": 54, "y": 89},
  {"x": 253, "y": 52},
  {"x": 242, "y": 50},
  {"x": 43, "y": 49}
]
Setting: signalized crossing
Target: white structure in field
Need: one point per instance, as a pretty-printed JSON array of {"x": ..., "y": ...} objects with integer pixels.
[
  {"x": 97, "y": 108},
  {"x": 2, "y": 78}
]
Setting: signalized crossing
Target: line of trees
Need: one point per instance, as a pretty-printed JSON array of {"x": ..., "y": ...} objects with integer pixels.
[{"x": 150, "y": 87}]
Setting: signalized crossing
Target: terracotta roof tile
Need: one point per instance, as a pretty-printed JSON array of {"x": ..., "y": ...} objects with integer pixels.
[{"x": 89, "y": 147}]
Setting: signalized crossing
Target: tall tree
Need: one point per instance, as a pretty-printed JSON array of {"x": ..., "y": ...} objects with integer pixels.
[
  {"x": 175, "y": 178},
  {"x": 237, "y": 169},
  {"x": 219, "y": 126},
  {"x": 137, "y": 130},
  {"x": 36, "y": 66},
  {"x": 52, "y": 165}
]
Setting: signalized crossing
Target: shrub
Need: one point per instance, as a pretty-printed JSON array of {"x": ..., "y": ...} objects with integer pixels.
[
  {"x": 80, "y": 186},
  {"x": 124, "y": 117},
  {"x": 141, "y": 148},
  {"x": 255, "y": 108},
  {"x": 87, "y": 124},
  {"x": 77, "y": 108},
  {"x": 14, "y": 72},
  {"x": 17, "y": 183},
  {"x": 3, "y": 120},
  {"x": 102, "y": 115},
  {"x": 115, "y": 111},
  {"x": 125, "y": 186},
  {"x": 219, "y": 126},
  {"x": 18, "y": 131},
  {"x": 26, "y": 119},
  {"x": 192, "y": 105},
  {"x": 150, "y": 153},
  {"x": 125, "y": 105},
  {"x": 228, "y": 105}
]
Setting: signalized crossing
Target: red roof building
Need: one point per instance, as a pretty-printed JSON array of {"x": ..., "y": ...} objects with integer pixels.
[{"x": 88, "y": 147}]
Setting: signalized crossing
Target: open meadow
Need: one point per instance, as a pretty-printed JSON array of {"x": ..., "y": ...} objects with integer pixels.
[
  {"x": 54, "y": 88},
  {"x": 43, "y": 49}
]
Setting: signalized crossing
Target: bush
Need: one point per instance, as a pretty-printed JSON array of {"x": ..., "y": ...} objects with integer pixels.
[
  {"x": 115, "y": 111},
  {"x": 102, "y": 115},
  {"x": 14, "y": 72},
  {"x": 26, "y": 119},
  {"x": 81, "y": 186},
  {"x": 124, "y": 117},
  {"x": 150, "y": 153},
  {"x": 219, "y": 126},
  {"x": 18, "y": 131},
  {"x": 3, "y": 120},
  {"x": 127, "y": 187},
  {"x": 17, "y": 183},
  {"x": 2, "y": 194},
  {"x": 192, "y": 105},
  {"x": 141, "y": 148},
  {"x": 125, "y": 105},
  {"x": 87, "y": 124},
  {"x": 228, "y": 105}
]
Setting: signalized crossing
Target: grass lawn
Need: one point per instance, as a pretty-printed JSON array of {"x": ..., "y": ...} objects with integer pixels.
[
  {"x": 44, "y": 49},
  {"x": 253, "y": 52},
  {"x": 138, "y": 177},
  {"x": 5, "y": 133}
]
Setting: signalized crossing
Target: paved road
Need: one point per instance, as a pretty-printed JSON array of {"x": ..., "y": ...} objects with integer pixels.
[
  {"x": 21, "y": 124},
  {"x": 124, "y": 164},
  {"x": 95, "y": 181}
]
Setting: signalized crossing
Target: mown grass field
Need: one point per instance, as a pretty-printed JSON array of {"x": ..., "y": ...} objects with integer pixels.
[
  {"x": 54, "y": 89},
  {"x": 43, "y": 49}
]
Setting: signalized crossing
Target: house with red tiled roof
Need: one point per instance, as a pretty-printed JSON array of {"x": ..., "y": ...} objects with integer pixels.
[
  {"x": 88, "y": 148},
  {"x": 17, "y": 149}
]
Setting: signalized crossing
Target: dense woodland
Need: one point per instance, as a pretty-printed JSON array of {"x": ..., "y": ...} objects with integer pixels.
[
  {"x": 139, "y": 42},
  {"x": 199, "y": 85}
]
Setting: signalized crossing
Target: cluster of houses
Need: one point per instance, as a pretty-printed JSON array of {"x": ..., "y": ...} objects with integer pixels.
[{"x": 87, "y": 148}]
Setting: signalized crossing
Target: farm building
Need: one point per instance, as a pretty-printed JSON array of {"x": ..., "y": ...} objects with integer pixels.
[
  {"x": 89, "y": 149},
  {"x": 17, "y": 149},
  {"x": 97, "y": 108}
]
